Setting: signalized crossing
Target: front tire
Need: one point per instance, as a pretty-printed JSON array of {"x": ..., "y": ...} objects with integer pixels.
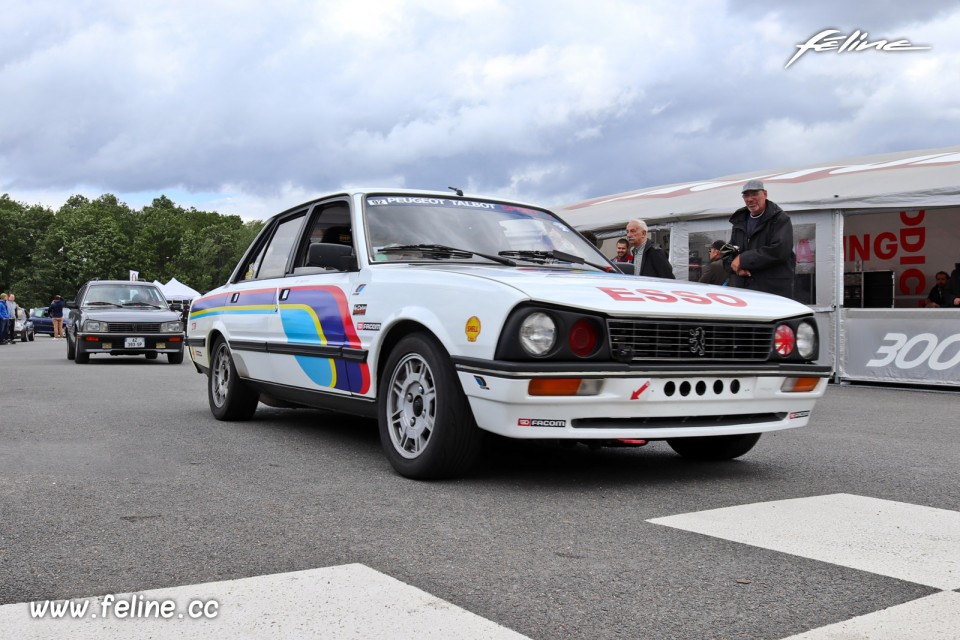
[
  {"x": 80, "y": 356},
  {"x": 175, "y": 358},
  {"x": 71, "y": 350},
  {"x": 713, "y": 448},
  {"x": 230, "y": 398},
  {"x": 427, "y": 429}
]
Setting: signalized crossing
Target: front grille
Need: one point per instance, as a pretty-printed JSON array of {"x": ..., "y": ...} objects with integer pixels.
[
  {"x": 133, "y": 327},
  {"x": 689, "y": 341}
]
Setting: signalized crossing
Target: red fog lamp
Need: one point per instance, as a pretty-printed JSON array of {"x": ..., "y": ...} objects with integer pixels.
[
  {"x": 784, "y": 340},
  {"x": 583, "y": 338}
]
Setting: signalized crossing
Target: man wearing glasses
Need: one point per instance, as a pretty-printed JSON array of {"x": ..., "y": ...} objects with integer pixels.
[
  {"x": 648, "y": 258},
  {"x": 764, "y": 234}
]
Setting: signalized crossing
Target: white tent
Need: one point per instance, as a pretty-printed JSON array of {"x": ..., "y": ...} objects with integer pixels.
[
  {"x": 176, "y": 290},
  {"x": 911, "y": 179},
  {"x": 869, "y": 233}
]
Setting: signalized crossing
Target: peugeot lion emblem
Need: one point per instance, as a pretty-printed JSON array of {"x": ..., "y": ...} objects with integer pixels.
[{"x": 698, "y": 341}]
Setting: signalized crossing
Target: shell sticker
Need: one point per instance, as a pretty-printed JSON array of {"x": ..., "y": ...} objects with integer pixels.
[{"x": 473, "y": 328}]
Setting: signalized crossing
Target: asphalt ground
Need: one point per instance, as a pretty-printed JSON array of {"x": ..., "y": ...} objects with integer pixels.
[{"x": 114, "y": 477}]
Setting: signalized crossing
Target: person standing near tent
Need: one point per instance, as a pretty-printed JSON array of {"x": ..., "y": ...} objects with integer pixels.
[
  {"x": 714, "y": 273},
  {"x": 648, "y": 258},
  {"x": 764, "y": 234}
]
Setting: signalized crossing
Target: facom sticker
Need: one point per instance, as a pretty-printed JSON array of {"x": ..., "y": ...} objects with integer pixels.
[
  {"x": 368, "y": 326},
  {"x": 473, "y": 329},
  {"x": 539, "y": 422}
]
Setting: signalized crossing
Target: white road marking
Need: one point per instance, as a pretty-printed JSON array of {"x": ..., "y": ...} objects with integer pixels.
[
  {"x": 935, "y": 617},
  {"x": 348, "y": 601},
  {"x": 905, "y": 541}
]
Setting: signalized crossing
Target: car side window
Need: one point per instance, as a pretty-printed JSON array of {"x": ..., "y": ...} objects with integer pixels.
[
  {"x": 274, "y": 264},
  {"x": 330, "y": 225}
]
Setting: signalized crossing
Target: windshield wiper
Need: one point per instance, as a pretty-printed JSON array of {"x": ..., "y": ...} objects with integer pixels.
[
  {"x": 141, "y": 304},
  {"x": 440, "y": 251},
  {"x": 100, "y": 304},
  {"x": 542, "y": 257}
]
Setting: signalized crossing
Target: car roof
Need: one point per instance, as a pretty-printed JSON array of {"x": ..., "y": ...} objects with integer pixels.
[{"x": 367, "y": 191}]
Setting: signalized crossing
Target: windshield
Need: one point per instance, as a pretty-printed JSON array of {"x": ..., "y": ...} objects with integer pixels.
[
  {"x": 414, "y": 229},
  {"x": 123, "y": 295}
]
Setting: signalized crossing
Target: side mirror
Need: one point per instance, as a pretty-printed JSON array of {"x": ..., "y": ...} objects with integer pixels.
[
  {"x": 331, "y": 256},
  {"x": 624, "y": 267},
  {"x": 69, "y": 304}
]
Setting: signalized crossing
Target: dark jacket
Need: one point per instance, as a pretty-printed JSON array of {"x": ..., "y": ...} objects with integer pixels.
[
  {"x": 767, "y": 254},
  {"x": 714, "y": 273},
  {"x": 56, "y": 309},
  {"x": 654, "y": 263}
]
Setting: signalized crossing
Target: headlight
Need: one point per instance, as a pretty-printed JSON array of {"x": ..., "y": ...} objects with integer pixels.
[
  {"x": 538, "y": 333},
  {"x": 94, "y": 326},
  {"x": 171, "y": 327},
  {"x": 784, "y": 340},
  {"x": 806, "y": 340}
]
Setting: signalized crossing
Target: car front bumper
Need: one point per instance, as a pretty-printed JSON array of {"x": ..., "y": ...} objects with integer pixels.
[
  {"x": 643, "y": 404},
  {"x": 130, "y": 343}
]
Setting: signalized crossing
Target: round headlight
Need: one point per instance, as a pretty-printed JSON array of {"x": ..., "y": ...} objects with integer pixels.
[
  {"x": 806, "y": 340},
  {"x": 538, "y": 333},
  {"x": 784, "y": 340}
]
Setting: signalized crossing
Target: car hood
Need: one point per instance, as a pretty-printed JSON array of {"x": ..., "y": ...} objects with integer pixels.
[
  {"x": 618, "y": 294},
  {"x": 130, "y": 315}
]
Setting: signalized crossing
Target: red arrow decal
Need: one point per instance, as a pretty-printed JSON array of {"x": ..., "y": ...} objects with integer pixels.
[{"x": 636, "y": 394}]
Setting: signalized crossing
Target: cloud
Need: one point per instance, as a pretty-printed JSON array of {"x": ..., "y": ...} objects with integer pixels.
[{"x": 250, "y": 108}]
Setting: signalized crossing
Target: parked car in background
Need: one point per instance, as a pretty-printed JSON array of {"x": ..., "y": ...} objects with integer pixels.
[
  {"x": 122, "y": 318},
  {"x": 445, "y": 316},
  {"x": 23, "y": 328},
  {"x": 43, "y": 323}
]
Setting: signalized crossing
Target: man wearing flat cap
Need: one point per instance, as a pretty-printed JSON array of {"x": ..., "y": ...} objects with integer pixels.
[
  {"x": 764, "y": 234},
  {"x": 715, "y": 273}
]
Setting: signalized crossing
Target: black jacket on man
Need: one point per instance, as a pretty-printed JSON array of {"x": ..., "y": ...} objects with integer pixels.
[
  {"x": 654, "y": 262},
  {"x": 767, "y": 254}
]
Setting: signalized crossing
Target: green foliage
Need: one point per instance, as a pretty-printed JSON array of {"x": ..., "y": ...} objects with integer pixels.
[{"x": 43, "y": 253}]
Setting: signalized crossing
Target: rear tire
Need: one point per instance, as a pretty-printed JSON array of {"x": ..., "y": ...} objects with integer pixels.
[
  {"x": 229, "y": 397},
  {"x": 427, "y": 429},
  {"x": 713, "y": 448},
  {"x": 151, "y": 356}
]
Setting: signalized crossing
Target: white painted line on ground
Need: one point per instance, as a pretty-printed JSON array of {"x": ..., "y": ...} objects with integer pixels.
[
  {"x": 935, "y": 617},
  {"x": 905, "y": 541},
  {"x": 348, "y": 601}
]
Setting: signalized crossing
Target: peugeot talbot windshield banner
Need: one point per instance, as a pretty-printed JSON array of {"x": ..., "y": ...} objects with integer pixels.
[{"x": 923, "y": 348}]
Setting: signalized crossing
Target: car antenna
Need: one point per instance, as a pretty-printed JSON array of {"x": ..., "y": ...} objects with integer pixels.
[{"x": 456, "y": 190}]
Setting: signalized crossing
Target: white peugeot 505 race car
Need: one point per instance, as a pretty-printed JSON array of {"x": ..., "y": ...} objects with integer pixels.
[{"x": 444, "y": 316}]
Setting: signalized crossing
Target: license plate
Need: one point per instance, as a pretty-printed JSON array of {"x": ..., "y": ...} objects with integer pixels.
[{"x": 135, "y": 343}]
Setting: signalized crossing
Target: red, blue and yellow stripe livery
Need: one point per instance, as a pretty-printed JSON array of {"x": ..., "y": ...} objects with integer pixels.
[{"x": 310, "y": 316}]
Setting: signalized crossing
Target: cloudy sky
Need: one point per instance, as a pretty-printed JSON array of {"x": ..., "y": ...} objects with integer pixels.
[{"x": 249, "y": 107}]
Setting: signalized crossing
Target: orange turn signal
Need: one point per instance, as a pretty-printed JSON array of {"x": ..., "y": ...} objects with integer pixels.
[
  {"x": 554, "y": 387},
  {"x": 799, "y": 385}
]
